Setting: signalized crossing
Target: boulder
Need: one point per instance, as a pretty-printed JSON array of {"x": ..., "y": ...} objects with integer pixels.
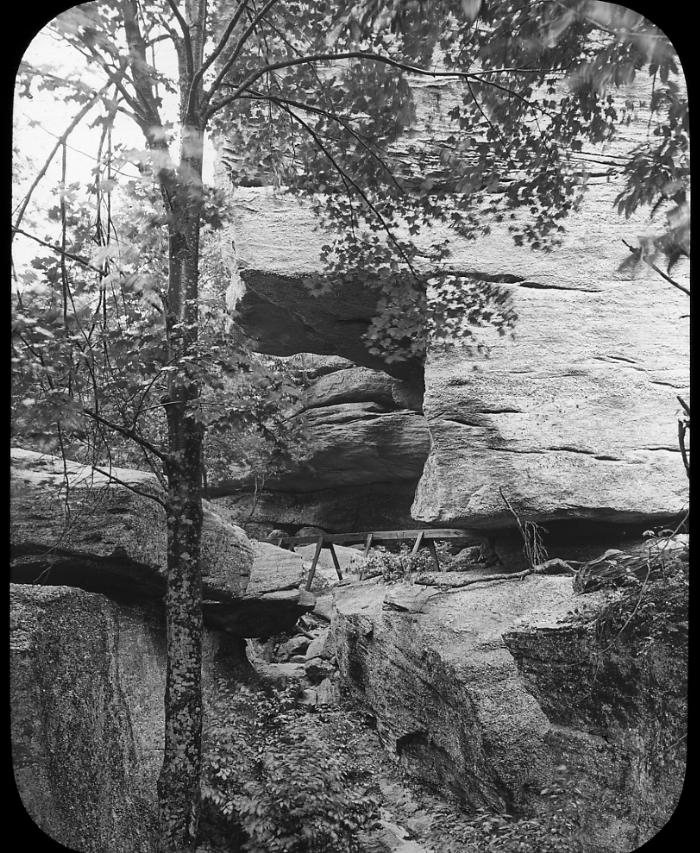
[
  {"x": 104, "y": 536},
  {"x": 274, "y": 569},
  {"x": 293, "y": 646},
  {"x": 318, "y": 669},
  {"x": 110, "y": 537},
  {"x": 87, "y": 678},
  {"x": 360, "y": 385},
  {"x": 444, "y": 682},
  {"x": 320, "y": 647}
]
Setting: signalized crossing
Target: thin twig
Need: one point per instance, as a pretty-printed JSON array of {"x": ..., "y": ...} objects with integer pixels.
[
  {"x": 129, "y": 486},
  {"x": 58, "y": 249},
  {"x": 79, "y": 116}
]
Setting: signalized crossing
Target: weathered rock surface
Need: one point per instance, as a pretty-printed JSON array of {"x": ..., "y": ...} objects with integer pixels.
[
  {"x": 108, "y": 535},
  {"x": 365, "y": 436},
  {"x": 359, "y": 443},
  {"x": 576, "y": 415},
  {"x": 362, "y": 385},
  {"x": 87, "y": 678},
  {"x": 112, "y": 540},
  {"x": 618, "y": 715},
  {"x": 450, "y": 700}
]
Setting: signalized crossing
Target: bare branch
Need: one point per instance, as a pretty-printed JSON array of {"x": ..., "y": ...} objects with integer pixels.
[
  {"x": 358, "y": 189},
  {"x": 184, "y": 26},
  {"x": 356, "y": 54},
  {"x": 343, "y": 122},
  {"x": 127, "y": 433},
  {"x": 130, "y": 487},
  {"x": 219, "y": 47},
  {"x": 59, "y": 250},
  {"x": 236, "y": 51},
  {"x": 79, "y": 116}
]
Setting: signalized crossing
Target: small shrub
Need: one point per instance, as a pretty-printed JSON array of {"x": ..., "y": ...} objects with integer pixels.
[
  {"x": 394, "y": 567},
  {"x": 273, "y": 787},
  {"x": 400, "y": 565},
  {"x": 301, "y": 801}
]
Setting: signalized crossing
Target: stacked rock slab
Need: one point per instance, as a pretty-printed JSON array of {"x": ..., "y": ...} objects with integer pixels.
[
  {"x": 367, "y": 443},
  {"x": 88, "y": 659}
]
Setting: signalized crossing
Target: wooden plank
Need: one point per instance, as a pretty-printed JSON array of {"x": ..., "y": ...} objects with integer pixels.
[
  {"x": 335, "y": 560},
  {"x": 314, "y": 562},
  {"x": 368, "y": 544},
  {"x": 383, "y": 535},
  {"x": 417, "y": 543}
]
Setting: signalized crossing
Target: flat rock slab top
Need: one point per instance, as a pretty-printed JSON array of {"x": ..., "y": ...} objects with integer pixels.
[{"x": 466, "y": 620}]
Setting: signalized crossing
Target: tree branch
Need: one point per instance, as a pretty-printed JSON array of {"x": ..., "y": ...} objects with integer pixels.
[
  {"x": 663, "y": 275},
  {"x": 127, "y": 433},
  {"x": 348, "y": 180},
  {"x": 130, "y": 487},
  {"x": 79, "y": 116},
  {"x": 236, "y": 51},
  {"x": 343, "y": 122},
  {"x": 219, "y": 47},
  {"x": 184, "y": 26},
  {"x": 333, "y": 57},
  {"x": 59, "y": 250}
]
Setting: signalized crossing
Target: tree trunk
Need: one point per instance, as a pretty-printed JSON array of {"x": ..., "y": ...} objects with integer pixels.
[
  {"x": 178, "y": 784},
  {"x": 179, "y": 781}
]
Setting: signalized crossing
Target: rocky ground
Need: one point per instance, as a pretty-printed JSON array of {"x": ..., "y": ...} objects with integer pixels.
[{"x": 411, "y": 817}]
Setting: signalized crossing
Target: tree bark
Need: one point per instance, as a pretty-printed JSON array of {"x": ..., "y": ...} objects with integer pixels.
[
  {"x": 179, "y": 781},
  {"x": 178, "y": 784}
]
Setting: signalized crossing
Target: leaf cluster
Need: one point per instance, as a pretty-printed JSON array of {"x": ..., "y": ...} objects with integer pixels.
[{"x": 283, "y": 787}]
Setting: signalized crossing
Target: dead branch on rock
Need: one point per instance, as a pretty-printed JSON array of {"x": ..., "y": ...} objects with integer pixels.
[
  {"x": 534, "y": 549},
  {"x": 460, "y": 583},
  {"x": 453, "y": 581}
]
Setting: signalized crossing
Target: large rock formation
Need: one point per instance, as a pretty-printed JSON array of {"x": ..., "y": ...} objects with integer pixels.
[
  {"x": 87, "y": 720},
  {"x": 575, "y": 416},
  {"x": 71, "y": 525},
  {"x": 87, "y": 679},
  {"x": 88, "y": 669},
  {"x": 442, "y": 674},
  {"x": 367, "y": 443}
]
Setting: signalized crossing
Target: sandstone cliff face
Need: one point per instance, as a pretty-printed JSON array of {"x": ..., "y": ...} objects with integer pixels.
[
  {"x": 576, "y": 415},
  {"x": 499, "y": 692}
]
